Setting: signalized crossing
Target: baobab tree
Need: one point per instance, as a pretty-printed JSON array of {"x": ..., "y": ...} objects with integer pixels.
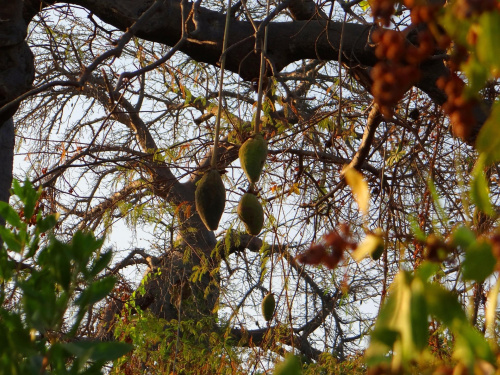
[{"x": 120, "y": 106}]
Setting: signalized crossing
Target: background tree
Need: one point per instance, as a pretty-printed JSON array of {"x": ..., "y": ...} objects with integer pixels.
[{"x": 119, "y": 127}]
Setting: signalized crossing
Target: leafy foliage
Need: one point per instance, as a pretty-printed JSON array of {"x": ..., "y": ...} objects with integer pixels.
[
  {"x": 175, "y": 347},
  {"x": 43, "y": 277}
]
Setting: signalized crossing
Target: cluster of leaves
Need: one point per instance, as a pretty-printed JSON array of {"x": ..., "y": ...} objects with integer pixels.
[
  {"x": 42, "y": 282},
  {"x": 166, "y": 347}
]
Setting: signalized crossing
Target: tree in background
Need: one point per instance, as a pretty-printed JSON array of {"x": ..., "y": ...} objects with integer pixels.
[{"x": 372, "y": 130}]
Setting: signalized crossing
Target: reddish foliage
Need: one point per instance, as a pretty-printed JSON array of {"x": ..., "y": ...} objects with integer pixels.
[{"x": 330, "y": 251}]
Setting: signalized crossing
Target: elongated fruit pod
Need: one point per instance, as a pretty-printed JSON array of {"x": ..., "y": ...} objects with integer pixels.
[
  {"x": 251, "y": 213},
  {"x": 379, "y": 249},
  {"x": 268, "y": 306},
  {"x": 210, "y": 199},
  {"x": 253, "y": 154}
]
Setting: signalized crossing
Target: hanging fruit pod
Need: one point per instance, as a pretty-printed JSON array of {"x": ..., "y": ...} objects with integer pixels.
[
  {"x": 210, "y": 199},
  {"x": 251, "y": 213},
  {"x": 380, "y": 245},
  {"x": 253, "y": 153},
  {"x": 268, "y": 305}
]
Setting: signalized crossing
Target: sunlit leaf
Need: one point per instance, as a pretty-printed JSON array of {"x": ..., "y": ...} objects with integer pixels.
[
  {"x": 491, "y": 309},
  {"x": 364, "y": 5},
  {"x": 488, "y": 140},
  {"x": 479, "y": 190},
  {"x": 359, "y": 188},
  {"x": 477, "y": 74},
  {"x": 487, "y": 47},
  {"x": 372, "y": 245}
]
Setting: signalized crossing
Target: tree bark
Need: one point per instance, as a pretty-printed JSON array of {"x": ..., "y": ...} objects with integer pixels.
[
  {"x": 6, "y": 163},
  {"x": 16, "y": 60}
]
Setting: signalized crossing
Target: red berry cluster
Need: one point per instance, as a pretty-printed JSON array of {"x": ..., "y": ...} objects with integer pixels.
[
  {"x": 457, "y": 106},
  {"x": 421, "y": 12},
  {"x": 382, "y": 11},
  {"x": 330, "y": 250},
  {"x": 390, "y": 84},
  {"x": 398, "y": 70}
]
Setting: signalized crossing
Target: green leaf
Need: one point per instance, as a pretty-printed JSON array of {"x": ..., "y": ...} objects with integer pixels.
[
  {"x": 487, "y": 47},
  {"x": 426, "y": 270},
  {"x": 436, "y": 199},
  {"x": 83, "y": 246},
  {"x": 418, "y": 315},
  {"x": 479, "y": 262},
  {"x": 415, "y": 228},
  {"x": 456, "y": 28},
  {"x": 10, "y": 215},
  {"x": 385, "y": 336},
  {"x": 97, "y": 350},
  {"x": 28, "y": 196},
  {"x": 463, "y": 237},
  {"x": 57, "y": 258},
  {"x": 11, "y": 239},
  {"x": 444, "y": 305},
  {"x": 477, "y": 74},
  {"x": 96, "y": 291},
  {"x": 488, "y": 139},
  {"x": 479, "y": 190},
  {"x": 101, "y": 263},
  {"x": 47, "y": 223},
  {"x": 470, "y": 345}
]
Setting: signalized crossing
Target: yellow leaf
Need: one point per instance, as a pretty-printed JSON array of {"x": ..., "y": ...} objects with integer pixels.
[
  {"x": 359, "y": 188},
  {"x": 370, "y": 246},
  {"x": 491, "y": 309}
]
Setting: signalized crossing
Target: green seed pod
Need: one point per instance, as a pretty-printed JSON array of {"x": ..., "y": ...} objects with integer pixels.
[
  {"x": 253, "y": 153},
  {"x": 379, "y": 248},
  {"x": 210, "y": 199},
  {"x": 251, "y": 213},
  {"x": 290, "y": 366},
  {"x": 268, "y": 306}
]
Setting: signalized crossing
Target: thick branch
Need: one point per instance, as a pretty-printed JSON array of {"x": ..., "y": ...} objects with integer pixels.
[
  {"x": 374, "y": 119},
  {"x": 260, "y": 337}
]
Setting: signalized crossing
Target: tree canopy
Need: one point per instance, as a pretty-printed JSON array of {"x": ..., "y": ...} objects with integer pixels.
[{"x": 377, "y": 123}]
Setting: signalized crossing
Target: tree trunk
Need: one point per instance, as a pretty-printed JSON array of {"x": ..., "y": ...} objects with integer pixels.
[{"x": 6, "y": 162}]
